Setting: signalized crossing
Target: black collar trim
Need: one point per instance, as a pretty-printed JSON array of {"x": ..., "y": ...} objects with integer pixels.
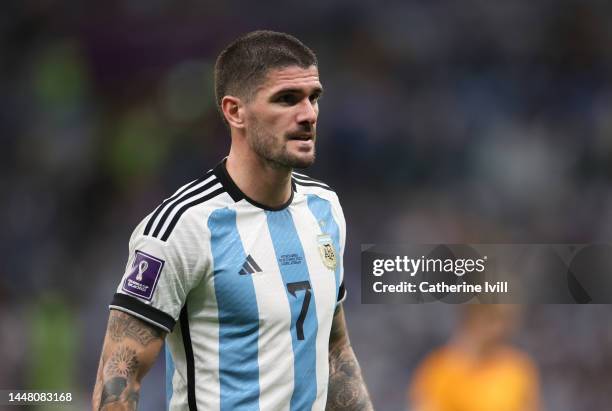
[{"x": 232, "y": 189}]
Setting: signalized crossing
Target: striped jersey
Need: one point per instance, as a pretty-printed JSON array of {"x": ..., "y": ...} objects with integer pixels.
[{"x": 246, "y": 292}]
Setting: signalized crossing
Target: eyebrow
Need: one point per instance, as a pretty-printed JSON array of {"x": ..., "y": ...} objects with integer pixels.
[{"x": 316, "y": 90}]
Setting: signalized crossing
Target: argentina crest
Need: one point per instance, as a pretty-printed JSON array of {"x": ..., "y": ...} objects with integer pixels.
[{"x": 327, "y": 251}]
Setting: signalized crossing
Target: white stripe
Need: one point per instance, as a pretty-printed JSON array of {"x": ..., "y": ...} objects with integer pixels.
[
  {"x": 312, "y": 183},
  {"x": 182, "y": 188},
  {"x": 275, "y": 350},
  {"x": 176, "y": 193},
  {"x": 299, "y": 174},
  {"x": 174, "y": 342},
  {"x": 307, "y": 179},
  {"x": 179, "y": 395},
  {"x": 316, "y": 183},
  {"x": 339, "y": 218},
  {"x": 185, "y": 200},
  {"x": 182, "y": 195},
  {"x": 323, "y": 283},
  {"x": 205, "y": 338}
]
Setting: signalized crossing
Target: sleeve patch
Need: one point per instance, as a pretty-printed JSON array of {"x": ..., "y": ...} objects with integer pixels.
[{"x": 142, "y": 280}]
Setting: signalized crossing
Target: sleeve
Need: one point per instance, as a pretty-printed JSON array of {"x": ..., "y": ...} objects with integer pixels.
[
  {"x": 341, "y": 293},
  {"x": 159, "y": 274},
  {"x": 338, "y": 215}
]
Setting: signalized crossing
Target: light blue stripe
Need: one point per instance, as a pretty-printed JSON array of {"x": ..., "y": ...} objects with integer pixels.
[
  {"x": 238, "y": 316},
  {"x": 321, "y": 209},
  {"x": 286, "y": 242},
  {"x": 169, "y": 374}
]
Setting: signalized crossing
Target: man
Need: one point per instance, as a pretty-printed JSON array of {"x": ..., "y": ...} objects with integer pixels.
[
  {"x": 478, "y": 370},
  {"x": 247, "y": 259}
]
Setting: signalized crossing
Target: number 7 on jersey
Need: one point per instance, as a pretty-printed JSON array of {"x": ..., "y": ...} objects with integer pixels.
[{"x": 293, "y": 288}]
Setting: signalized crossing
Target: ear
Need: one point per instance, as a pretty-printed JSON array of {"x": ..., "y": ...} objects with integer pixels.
[{"x": 233, "y": 110}]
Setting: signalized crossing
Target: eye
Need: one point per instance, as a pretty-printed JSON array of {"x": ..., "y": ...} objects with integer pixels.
[
  {"x": 314, "y": 97},
  {"x": 288, "y": 99}
]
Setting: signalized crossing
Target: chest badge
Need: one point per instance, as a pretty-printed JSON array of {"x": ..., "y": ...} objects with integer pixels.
[{"x": 327, "y": 251}]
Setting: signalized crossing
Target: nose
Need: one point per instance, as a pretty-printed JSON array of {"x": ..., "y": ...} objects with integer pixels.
[{"x": 308, "y": 112}]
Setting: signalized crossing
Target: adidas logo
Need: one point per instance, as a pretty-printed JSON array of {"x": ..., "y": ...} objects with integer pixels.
[{"x": 249, "y": 266}]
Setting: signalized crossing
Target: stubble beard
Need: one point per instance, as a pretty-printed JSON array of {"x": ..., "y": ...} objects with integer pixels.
[{"x": 275, "y": 153}]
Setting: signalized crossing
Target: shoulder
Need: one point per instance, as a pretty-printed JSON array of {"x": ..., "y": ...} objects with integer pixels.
[
  {"x": 321, "y": 198},
  {"x": 184, "y": 211},
  {"x": 309, "y": 186}
]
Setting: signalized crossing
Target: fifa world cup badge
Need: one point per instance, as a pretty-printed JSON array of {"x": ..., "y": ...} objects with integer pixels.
[{"x": 327, "y": 251}]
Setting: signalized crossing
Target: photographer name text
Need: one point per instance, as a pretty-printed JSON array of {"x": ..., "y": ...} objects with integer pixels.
[{"x": 458, "y": 267}]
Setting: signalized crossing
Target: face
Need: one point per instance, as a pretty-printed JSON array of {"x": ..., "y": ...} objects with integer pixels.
[{"x": 281, "y": 118}]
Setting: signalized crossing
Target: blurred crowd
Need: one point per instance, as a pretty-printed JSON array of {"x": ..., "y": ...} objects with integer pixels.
[{"x": 442, "y": 122}]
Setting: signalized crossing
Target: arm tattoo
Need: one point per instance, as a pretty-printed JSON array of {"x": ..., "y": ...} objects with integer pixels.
[
  {"x": 123, "y": 363},
  {"x": 117, "y": 390},
  {"x": 130, "y": 347},
  {"x": 122, "y": 325},
  {"x": 347, "y": 391},
  {"x": 120, "y": 369}
]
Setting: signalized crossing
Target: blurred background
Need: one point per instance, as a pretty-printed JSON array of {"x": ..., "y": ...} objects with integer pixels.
[{"x": 442, "y": 121}]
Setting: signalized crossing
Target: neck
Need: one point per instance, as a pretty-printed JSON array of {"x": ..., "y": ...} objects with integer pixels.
[{"x": 258, "y": 179}]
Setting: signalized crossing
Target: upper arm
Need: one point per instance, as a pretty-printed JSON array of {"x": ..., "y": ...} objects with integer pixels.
[
  {"x": 130, "y": 349},
  {"x": 338, "y": 336},
  {"x": 131, "y": 346}
]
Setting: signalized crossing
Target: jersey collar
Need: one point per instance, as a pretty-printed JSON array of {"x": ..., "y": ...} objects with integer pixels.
[{"x": 232, "y": 189}]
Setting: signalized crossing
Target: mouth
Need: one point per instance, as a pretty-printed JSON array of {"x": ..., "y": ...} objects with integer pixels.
[{"x": 301, "y": 137}]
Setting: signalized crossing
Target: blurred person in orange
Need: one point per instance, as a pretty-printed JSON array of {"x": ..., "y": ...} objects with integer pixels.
[{"x": 478, "y": 369}]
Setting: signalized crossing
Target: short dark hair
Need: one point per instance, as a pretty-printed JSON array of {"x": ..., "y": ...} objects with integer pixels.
[{"x": 243, "y": 65}]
